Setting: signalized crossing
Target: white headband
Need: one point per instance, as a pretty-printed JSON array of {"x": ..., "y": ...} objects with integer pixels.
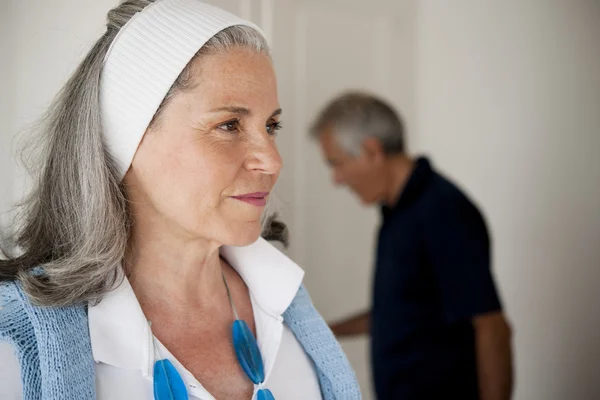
[{"x": 144, "y": 61}]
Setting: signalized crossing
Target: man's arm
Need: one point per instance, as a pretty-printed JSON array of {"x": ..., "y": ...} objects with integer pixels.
[
  {"x": 494, "y": 356},
  {"x": 357, "y": 325}
]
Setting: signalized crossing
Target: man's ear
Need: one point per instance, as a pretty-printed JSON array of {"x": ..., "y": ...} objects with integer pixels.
[{"x": 372, "y": 149}]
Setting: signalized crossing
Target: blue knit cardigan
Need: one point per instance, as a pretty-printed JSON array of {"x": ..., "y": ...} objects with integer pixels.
[{"x": 54, "y": 350}]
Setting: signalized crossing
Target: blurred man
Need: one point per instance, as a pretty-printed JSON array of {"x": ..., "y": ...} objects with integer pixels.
[{"x": 436, "y": 322}]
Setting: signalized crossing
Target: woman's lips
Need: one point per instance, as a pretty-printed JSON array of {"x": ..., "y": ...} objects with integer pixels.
[{"x": 258, "y": 199}]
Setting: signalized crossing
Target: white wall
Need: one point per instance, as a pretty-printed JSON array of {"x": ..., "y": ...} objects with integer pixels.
[
  {"x": 49, "y": 39},
  {"x": 508, "y": 102},
  {"x": 6, "y": 109}
]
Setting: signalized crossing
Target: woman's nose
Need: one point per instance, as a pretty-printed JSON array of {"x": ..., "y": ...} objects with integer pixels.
[{"x": 264, "y": 157}]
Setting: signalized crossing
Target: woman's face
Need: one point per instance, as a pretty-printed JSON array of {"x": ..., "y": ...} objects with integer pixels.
[{"x": 206, "y": 167}]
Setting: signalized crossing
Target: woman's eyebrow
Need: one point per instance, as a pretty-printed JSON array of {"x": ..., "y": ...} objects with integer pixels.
[
  {"x": 241, "y": 111},
  {"x": 232, "y": 109}
]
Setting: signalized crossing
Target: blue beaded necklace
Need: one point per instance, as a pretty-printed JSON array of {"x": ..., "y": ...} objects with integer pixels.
[{"x": 168, "y": 384}]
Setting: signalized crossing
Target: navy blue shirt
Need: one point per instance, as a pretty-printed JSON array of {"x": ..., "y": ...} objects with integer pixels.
[{"x": 432, "y": 277}]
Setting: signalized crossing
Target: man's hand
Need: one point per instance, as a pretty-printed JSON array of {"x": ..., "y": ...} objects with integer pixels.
[{"x": 357, "y": 325}]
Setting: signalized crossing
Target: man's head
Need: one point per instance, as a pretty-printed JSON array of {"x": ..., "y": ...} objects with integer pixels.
[{"x": 358, "y": 134}]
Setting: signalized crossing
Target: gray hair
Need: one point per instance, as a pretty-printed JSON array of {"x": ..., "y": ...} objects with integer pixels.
[
  {"x": 75, "y": 223},
  {"x": 356, "y": 116}
]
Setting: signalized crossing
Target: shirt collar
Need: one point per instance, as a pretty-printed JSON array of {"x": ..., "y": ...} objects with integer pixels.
[{"x": 119, "y": 332}]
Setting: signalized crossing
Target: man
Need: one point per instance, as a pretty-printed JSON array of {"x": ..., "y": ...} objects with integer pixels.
[{"x": 436, "y": 323}]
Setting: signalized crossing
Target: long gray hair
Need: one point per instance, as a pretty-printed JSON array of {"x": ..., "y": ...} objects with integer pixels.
[{"x": 75, "y": 223}]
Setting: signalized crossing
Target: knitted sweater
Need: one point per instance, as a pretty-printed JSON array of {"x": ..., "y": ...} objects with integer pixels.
[{"x": 53, "y": 347}]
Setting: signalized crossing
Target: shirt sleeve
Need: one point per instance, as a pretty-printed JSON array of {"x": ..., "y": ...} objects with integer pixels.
[{"x": 458, "y": 250}]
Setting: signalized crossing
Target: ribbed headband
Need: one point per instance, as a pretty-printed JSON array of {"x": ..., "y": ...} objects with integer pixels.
[{"x": 143, "y": 62}]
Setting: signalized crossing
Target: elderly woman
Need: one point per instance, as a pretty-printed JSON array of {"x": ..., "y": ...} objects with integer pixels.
[{"x": 140, "y": 271}]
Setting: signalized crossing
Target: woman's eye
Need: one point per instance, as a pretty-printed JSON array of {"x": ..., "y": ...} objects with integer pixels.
[
  {"x": 230, "y": 126},
  {"x": 273, "y": 127}
]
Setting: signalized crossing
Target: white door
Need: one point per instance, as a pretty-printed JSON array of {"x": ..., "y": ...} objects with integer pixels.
[{"x": 320, "y": 48}]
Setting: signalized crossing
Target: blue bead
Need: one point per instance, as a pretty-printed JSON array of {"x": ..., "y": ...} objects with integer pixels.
[
  {"x": 247, "y": 352},
  {"x": 168, "y": 384},
  {"x": 264, "y": 394}
]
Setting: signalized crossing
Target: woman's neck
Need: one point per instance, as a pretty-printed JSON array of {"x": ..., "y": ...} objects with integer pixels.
[{"x": 163, "y": 268}]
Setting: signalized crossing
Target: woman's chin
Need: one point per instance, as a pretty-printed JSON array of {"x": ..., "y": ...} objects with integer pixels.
[{"x": 244, "y": 236}]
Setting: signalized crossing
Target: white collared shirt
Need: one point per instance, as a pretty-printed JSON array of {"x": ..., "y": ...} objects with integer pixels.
[{"x": 123, "y": 348}]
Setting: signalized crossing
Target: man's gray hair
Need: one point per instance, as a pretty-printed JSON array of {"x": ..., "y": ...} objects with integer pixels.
[
  {"x": 356, "y": 116},
  {"x": 76, "y": 221}
]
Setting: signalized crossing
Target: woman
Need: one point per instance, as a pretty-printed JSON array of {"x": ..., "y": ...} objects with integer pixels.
[{"x": 140, "y": 243}]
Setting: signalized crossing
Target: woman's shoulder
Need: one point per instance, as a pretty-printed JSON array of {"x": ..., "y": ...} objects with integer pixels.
[
  {"x": 8, "y": 292},
  {"x": 301, "y": 302},
  {"x": 8, "y": 296},
  {"x": 303, "y": 317},
  {"x": 18, "y": 312},
  {"x": 10, "y": 376},
  {"x": 319, "y": 343},
  {"x": 11, "y": 312}
]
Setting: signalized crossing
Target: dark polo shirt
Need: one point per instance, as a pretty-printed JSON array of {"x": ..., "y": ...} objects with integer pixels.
[{"x": 432, "y": 277}]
